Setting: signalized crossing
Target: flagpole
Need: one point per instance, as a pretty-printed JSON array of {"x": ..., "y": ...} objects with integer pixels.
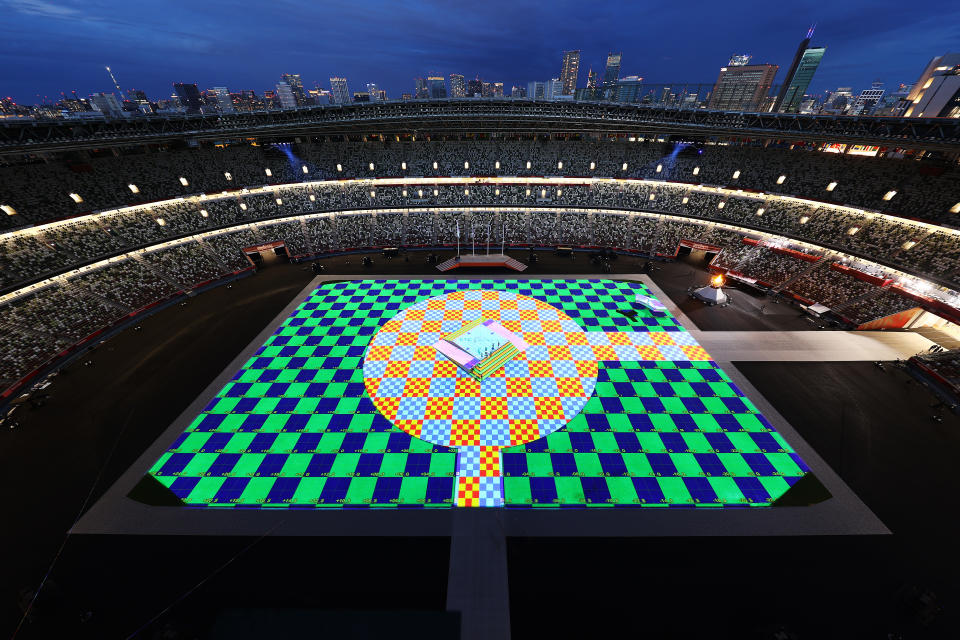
[
  {"x": 458, "y": 238},
  {"x": 503, "y": 239}
]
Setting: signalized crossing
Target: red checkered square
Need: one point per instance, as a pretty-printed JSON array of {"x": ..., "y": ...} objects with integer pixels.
[
  {"x": 468, "y": 491},
  {"x": 490, "y": 461},
  {"x": 417, "y": 388},
  {"x": 465, "y": 433},
  {"x": 548, "y": 408},
  {"x": 523, "y": 431}
]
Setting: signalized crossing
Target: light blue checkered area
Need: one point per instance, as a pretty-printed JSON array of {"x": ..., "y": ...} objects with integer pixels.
[
  {"x": 428, "y": 338},
  {"x": 565, "y": 369},
  {"x": 436, "y": 430},
  {"x": 554, "y": 339},
  {"x": 376, "y": 369},
  {"x": 531, "y": 325},
  {"x": 496, "y": 433},
  {"x": 516, "y": 368},
  {"x": 491, "y": 492},
  {"x": 411, "y": 408},
  {"x": 433, "y": 314},
  {"x": 441, "y": 387},
  {"x": 391, "y": 387},
  {"x": 466, "y": 409},
  {"x": 468, "y": 461},
  {"x": 510, "y": 314},
  {"x": 522, "y": 408},
  {"x": 641, "y": 339},
  {"x": 526, "y": 305},
  {"x": 672, "y": 352},
  {"x": 684, "y": 338},
  {"x": 544, "y": 387},
  {"x": 447, "y": 326},
  {"x": 539, "y": 352},
  {"x": 420, "y": 369},
  {"x": 402, "y": 352},
  {"x": 454, "y": 304},
  {"x": 387, "y": 338},
  {"x": 493, "y": 387}
]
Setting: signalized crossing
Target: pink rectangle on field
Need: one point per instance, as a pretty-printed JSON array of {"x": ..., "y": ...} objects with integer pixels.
[
  {"x": 514, "y": 339},
  {"x": 461, "y": 358}
]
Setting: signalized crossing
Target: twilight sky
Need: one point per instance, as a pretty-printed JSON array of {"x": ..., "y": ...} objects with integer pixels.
[{"x": 49, "y": 46}]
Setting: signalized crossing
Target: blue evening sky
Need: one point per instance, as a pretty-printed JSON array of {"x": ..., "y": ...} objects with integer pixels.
[{"x": 49, "y": 46}]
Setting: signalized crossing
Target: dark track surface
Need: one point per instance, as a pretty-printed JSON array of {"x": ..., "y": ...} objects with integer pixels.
[{"x": 143, "y": 379}]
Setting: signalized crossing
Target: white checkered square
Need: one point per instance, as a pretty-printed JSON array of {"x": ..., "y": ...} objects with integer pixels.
[
  {"x": 672, "y": 352},
  {"x": 684, "y": 338}
]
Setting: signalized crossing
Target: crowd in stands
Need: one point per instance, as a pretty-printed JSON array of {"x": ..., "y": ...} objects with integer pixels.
[{"x": 41, "y": 190}]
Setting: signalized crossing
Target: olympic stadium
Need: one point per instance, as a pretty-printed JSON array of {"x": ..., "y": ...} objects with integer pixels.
[{"x": 454, "y": 368}]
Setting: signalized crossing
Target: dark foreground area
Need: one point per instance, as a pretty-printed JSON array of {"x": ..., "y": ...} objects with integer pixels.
[{"x": 872, "y": 427}]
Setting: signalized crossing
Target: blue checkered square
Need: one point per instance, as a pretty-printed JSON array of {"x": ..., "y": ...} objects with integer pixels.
[
  {"x": 494, "y": 387},
  {"x": 491, "y": 492},
  {"x": 555, "y": 338},
  {"x": 544, "y": 387},
  {"x": 509, "y": 314},
  {"x": 387, "y": 338},
  {"x": 436, "y": 430},
  {"x": 531, "y": 325},
  {"x": 469, "y": 315},
  {"x": 640, "y": 338},
  {"x": 420, "y": 369},
  {"x": 402, "y": 352},
  {"x": 565, "y": 369},
  {"x": 433, "y": 314},
  {"x": 526, "y": 304},
  {"x": 391, "y": 387},
  {"x": 450, "y": 325},
  {"x": 468, "y": 461},
  {"x": 442, "y": 387},
  {"x": 515, "y": 369},
  {"x": 412, "y": 408},
  {"x": 672, "y": 352},
  {"x": 428, "y": 338},
  {"x": 522, "y": 409},
  {"x": 466, "y": 409},
  {"x": 684, "y": 338},
  {"x": 538, "y": 352},
  {"x": 495, "y": 433}
]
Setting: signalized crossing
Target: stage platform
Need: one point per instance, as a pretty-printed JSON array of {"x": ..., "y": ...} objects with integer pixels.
[{"x": 481, "y": 261}]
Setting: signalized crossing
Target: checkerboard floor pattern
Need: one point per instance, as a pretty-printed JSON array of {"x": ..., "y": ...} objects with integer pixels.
[{"x": 295, "y": 427}]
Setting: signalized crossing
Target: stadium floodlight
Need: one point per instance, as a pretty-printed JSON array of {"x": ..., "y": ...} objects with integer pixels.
[
  {"x": 419, "y": 193},
  {"x": 184, "y": 181},
  {"x": 403, "y": 165},
  {"x": 243, "y": 206},
  {"x": 593, "y": 165},
  {"x": 7, "y": 209},
  {"x": 736, "y": 174},
  {"x": 76, "y": 198},
  {"x": 496, "y": 192},
  {"x": 305, "y": 170},
  {"x": 852, "y": 230},
  {"x": 781, "y": 179},
  {"x": 685, "y": 200},
  {"x": 543, "y": 193},
  {"x": 203, "y": 213},
  {"x": 404, "y": 193},
  {"x": 279, "y": 200},
  {"x": 434, "y": 164},
  {"x": 528, "y": 190},
  {"x": 373, "y": 194},
  {"x": 313, "y": 198},
  {"x": 528, "y": 164},
  {"x": 832, "y": 186},
  {"x": 889, "y": 195},
  {"x": 955, "y": 208},
  {"x": 466, "y": 165},
  {"x": 560, "y": 165},
  {"x": 133, "y": 188},
  {"x": 227, "y": 175},
  {"x": 653, "y": 196},
  {"x": 906, "y": 246},
  {"x": 161, "y": 221},
  {"x": 496, "y": 165},
  {"x": 804, "y": 219},
  {"x": 624, "y": 168},
  {"x": 372, "y": 167},
  {"x": 436, "y": 192},
  {"x": 466, "y": 192},
  {"x": 696, "y": 171},
  {"x": 268, "y": 172},
  {"x": 339, "y": 168},
  {"x": 659, "y": 168},
  {"x": 721, "y": 204},
  {"x": 760, "y": 211},
  {"x": 559, "y": 192}
]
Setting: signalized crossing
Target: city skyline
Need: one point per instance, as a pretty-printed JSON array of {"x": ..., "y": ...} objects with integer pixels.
[{"x": 862, "y": 46}]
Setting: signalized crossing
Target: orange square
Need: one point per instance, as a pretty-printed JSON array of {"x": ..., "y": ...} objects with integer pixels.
[
  {"x": 453, "y": 314},
  {"x": 661, "y": 337},
  {"x": 490, "y": 461},
  {"x": 472, "y": 304},
  {"x": 437, "y": 303},
  {"x": 695, "y": 352},
  {"x": 423, "y": 353},
  {"x": 616, "y": 337},
  {"x": 519, "y": 388},
  {"x": 407, "y": 338},
  {"x": 397, "y": 369},
  {"x": 387, "y": 406},
  {"x": 439, "y": 408},
  {"x": 466, "y": 388},
  {"x": 392, "y": 326},
  {"x": 468, "y": 491},
  {"x": 444, "y": 368},
  {"x": 540, "y": 368},
  {"x": 430, "y": 326},
  {"x": 371, "y": 385},
  {"x": 412, "y": 427},
  {"x": 511, "y": 325},
  {"x": 648, "y": 352},
  {"x": 551, "y": 325},
  {"x": 569, "y": 387},
  {"x": 600, "y": 352},
  {"x": 417, "y": 388},
  {"x": 416, "y": 314},
  {"x": 534, "y": 337},
  {"x": 379, "y": 352},
  {"x": 493, "y": 408},
  {"x": 465, "y": 433},
  {"x": 507, "y": 304},
  {"x": 548, "y": 408},
  {"x": 522, "y": 431},
  {"x": 529, "y": 314},
  {"x": 558, "y": 352},
  {"x": 576, "y": 337}
]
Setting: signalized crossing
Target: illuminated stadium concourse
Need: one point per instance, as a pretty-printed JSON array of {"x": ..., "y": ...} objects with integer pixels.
[{"x": 480, "y": 369}]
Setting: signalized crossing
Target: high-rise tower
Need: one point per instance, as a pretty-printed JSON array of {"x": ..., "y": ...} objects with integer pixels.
[
  {"x": 570, "y": 71},
  {"x": 804, "y": 65}
]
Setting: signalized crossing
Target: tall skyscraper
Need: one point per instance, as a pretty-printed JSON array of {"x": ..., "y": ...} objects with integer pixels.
[
  {"x": 937, "y": 92},
  {"x": 224, "y": 101},
  {"x": 804, "y": 65},
  {"x": 867, "y": 101},
  {"x": 742, "y": 88},
  {"x": 107, "y": 103},
  {"x": 497, "y": 90},
  {"x": 570, "y": 71},
  {"x": 374, "y": 92},
  {"x": 438, "y": 86},
  {"x": 421, "y": 90},
  {"x": 286, "y": 97},
  {"x": 612, "y": 72},
  {"x": 629, "y": 89},
  {"x": 296, "y": 88},
  {"x": 339, "y": 91},
  {"x": 475, "y": 87},
  {"x": 458, "y": 87},
  {"x": 189, "y": 96},
  {"x": 536, "y": 90}
]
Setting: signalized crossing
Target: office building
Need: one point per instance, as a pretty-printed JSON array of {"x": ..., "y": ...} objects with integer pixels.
[
  {"x": 421, "y": 91},
  {"x": 296, "y": 88},
  {"x": 224, "y": 101},
  {"x": 570, "y": 71},
  {"x": 285, "y": 96},
  {"x": 867, "y": 101},
  {"x": 475, "y": 88},
  {"x": 629, "y": 89},
  {"x": 458, "y": 86},
  {"x": 107, "y": 104},
  {"x": 742, "y": 88},
  {"x": 936, "y": 94},
  {"x": 518, "y": 92},
  {"x": 438, "y": 87},
  {"x": 339, "y": 91},
  {"x": 804, "y": 65},
  {"x": 739, "y": 60},
  {"x": 189, "y": 96},
  {"x": 376, "y": 94}
]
